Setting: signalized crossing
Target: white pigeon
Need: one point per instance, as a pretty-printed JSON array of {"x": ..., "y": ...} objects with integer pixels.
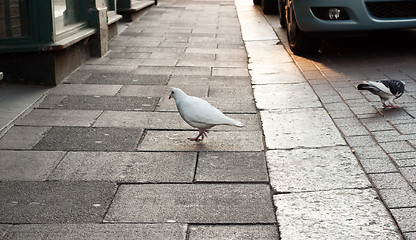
[
  {"x": 387, "y": 90},
  {"x": 200, "y": 114}
]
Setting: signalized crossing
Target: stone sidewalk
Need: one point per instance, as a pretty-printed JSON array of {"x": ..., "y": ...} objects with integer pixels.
[{"x": 105, "y": 155}]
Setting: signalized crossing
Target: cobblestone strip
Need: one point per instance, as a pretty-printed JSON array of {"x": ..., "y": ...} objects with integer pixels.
[
  {"x": 320, "y": 190},
  {"x": 382, "y": 140}
]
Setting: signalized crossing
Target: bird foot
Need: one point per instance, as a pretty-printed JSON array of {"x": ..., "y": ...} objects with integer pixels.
[
  {"x": 200, "y": 137},
  {"x": 391, "y": 106},
  {"x": 195, "y": 139}
]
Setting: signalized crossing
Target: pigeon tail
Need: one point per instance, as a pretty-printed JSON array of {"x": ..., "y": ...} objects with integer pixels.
[
  {"x": 364, "y": 86},
  {"x": 238, "y": 123},
  {"x": 233, "y": 122}
]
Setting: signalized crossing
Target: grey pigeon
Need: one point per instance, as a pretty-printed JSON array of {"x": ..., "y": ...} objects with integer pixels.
[
  {"x": 387, "y": 90},
  {"x": 200, "y": 114}
]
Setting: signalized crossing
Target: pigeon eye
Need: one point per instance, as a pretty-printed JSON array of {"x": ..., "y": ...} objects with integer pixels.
[{"x": 172, "y": 92}]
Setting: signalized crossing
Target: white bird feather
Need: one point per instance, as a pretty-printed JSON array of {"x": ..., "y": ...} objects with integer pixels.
[{"x": 200, "y": 114}]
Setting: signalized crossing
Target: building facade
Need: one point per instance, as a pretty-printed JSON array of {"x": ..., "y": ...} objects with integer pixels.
[{"x": 42, "y": 41}]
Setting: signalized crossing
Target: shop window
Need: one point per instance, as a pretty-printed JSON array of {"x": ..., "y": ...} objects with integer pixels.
[
  {"x": 14, "y": 19},
  {"x": 69, "y": 15},
  {"x": 111, "y": 9}
]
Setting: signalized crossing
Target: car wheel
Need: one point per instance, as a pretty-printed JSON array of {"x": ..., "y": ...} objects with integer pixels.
[
  {"x": 256, "y": 2},
  {"x": 282, "y": 13},
  {"x": 299, "y": 41},
  {"x": 269, "y": 6}
]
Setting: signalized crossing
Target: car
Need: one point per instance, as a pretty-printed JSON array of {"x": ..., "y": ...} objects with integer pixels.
[
  {"x": 307, "y": 21},
  {"x": 267, "y": 6}
]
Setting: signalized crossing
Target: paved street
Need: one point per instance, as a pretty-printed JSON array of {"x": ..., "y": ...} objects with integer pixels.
[{"x": 105, "y": 155}]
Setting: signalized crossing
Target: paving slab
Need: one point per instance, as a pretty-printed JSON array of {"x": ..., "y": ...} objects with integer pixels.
[
  {"x": 285, "y": 96},
  {"x": 142, "y": 62},
  {"x": 65, "y": 202},
  {"x": 192, "y": 203},
  {"x": 15, "y": 99},
  {"x": 409, "y": 173},
  {"x": 405, "y": 218},
  {"x": 301, "y": 170},
  {"x": 150, "y": 70},
  {"x": 378, "y": 165},
  {"x": 167, "y": 120},
  {"x": 182, "y": 56},
  {"x": 138, "y": 167},
  {"x": 230, "y": 57},
  {"x": 209, "y": 80},
  {"x": 28, "y": 165},
  {"x": 259, "y": 50},
  {"x": 85, "y": 89},
  {"x": 90, "y": 139},
  {"x": 108, "y": 69},
  {"x": 360, "y": 141},
  {"x": 159, "y": 49},
  {"x": 76, "y": 77},
  {"x": 370, "y": 152},
  {"x": 410, "y": 235},
  {"x": 76, "y": 102},
  {"x": 300, "y": 128},
  {"x": 231, "y": 167},
  {"x": 337, "y": 214},
  {"x": 97, "y": 231},
  {"x": 22, "y": 137},
  {"x": 161, "y": 90},
  {"x": 202, "y": 63},
  {"x": 226, "y": 91},
  {"x": 126, "y": 79},
  {"x": 50, "y": 101},
  {"x": 48, "y": 117},
  {"x": 388, "y": 180},
  {"x": 247, "y": 141},
  {"x": 233, "y": 232},
  {"x": 406, "y": 128},
  {"x": 341, "y": 114},
  {"x": 389, "y": 136},
  {"x": 288, "y": 72},
  {"x": 229, "y": 105},
  {"x": 275, "y": 78},
  {"x": 4, "y": 229},
  {"x": 405, "y": 162},
  {"x": 399, "y": 197},
  {"x": 254, "y": 26},
  {"x": 229, "y": 71},
  {"x": 118, "y": 51},
  {"x": 397, "y": 147}
]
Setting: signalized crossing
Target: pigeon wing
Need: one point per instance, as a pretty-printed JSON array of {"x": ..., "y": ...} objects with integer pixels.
[
  {"x": 380, "y": 86},
  {"x": 200, "y": 114}
]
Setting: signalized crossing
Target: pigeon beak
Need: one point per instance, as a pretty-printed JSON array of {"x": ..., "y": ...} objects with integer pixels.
[{"x": 170, "y": 96}]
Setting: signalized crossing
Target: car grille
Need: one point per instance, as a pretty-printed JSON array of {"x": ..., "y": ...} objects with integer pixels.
[{"x": 402, "y": 9}]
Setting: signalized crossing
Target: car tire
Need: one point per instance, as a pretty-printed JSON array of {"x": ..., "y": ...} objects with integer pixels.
[
  {"x": 282, "y": 13},
  {"x": 269, "y": 6},
  {"x": 256, "y": 2},
  {"x": 299, "y": 41}
]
